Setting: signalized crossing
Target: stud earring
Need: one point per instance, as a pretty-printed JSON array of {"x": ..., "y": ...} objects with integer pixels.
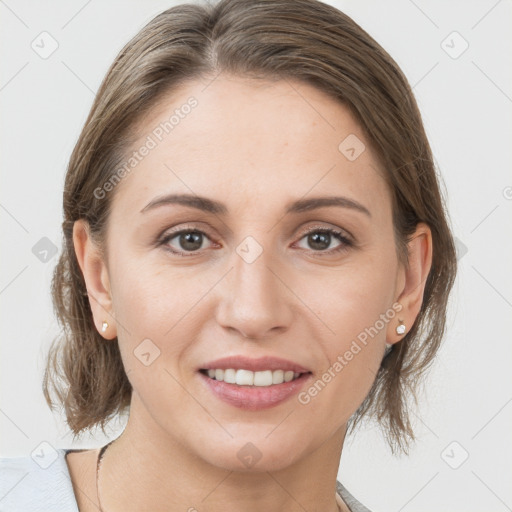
[
  {"x": 104, "y": 327},
  {"x": 400, "y": 329}
]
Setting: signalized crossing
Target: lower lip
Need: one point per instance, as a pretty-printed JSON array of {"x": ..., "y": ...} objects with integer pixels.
[{"x": 255, "y": 398}]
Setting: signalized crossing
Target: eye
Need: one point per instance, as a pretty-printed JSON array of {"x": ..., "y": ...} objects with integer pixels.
[
  {"x": 185, "y": 241},
  {"x": 320, "y": 239}
]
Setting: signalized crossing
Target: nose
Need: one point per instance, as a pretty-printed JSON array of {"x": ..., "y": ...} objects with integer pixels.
[{"x": 255, "y": 303}]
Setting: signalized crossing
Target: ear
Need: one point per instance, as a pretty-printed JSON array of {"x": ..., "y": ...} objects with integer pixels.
[
  {"x": 411, "y": 281},
  {"x": 96, "y": 277}
]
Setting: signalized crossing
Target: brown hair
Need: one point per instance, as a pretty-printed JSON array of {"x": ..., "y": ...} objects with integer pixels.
[{"x": 274, "y": 40}]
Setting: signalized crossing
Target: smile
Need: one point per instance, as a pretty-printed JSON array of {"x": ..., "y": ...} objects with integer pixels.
[
  {"x": 263, "y": 393},
  {"x": 249, "y": 378}
]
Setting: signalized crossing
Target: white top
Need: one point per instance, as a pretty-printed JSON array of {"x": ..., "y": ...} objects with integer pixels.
[
  {"x": 42, "y": 483},
  {"x": 37, "y": 484}
]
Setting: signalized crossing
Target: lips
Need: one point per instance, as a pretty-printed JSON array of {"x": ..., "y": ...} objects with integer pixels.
[
  {"x": 253, "y": 398},
  {"x": 268, "y": 389},
  {"x": 255, "y": 365}
]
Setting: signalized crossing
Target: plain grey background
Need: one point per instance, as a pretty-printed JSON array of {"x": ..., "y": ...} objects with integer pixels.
[{"x": 457, "y": 57}]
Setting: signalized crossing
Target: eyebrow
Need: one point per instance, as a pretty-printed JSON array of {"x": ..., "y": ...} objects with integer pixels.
[{"x": 218, "y": 208}]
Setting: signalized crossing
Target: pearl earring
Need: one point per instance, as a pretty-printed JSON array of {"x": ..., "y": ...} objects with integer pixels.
[
  {"x": 400, "y": 329},
  {"x": 104, "y": 327}
]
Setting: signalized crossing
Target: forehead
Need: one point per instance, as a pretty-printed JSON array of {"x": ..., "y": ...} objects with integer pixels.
[{"x": 251, "y": 143}]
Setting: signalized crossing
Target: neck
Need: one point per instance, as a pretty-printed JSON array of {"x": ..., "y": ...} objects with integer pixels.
[{"x": 167, "y": 476}]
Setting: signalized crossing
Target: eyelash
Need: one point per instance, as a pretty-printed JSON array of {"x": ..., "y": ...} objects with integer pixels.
[{"x": 346, "y": 243}]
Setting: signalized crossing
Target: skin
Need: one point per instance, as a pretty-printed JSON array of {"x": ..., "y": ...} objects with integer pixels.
[{"x": 254, "y": 146}]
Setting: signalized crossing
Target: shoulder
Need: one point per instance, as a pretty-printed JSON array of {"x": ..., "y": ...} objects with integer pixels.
[
  {"x": 351, "y": 502},
  {"x": 37, "y": 482}
]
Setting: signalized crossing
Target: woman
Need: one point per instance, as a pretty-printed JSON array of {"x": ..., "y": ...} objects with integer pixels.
[{"x": 256, "y": 257}]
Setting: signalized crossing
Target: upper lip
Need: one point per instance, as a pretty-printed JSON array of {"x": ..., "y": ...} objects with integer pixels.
[{"x": 255, "y": 365}]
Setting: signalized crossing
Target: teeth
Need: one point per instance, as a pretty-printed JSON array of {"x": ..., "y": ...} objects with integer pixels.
[
  {"x": 230, "y": 376},
  {"x": 249, "y": 378},
  {"x": 277, "y": 377},
  {"x": 244, "y": 378}
]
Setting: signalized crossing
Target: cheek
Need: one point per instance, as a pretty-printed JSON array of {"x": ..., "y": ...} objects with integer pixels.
[
  {"x": 150, "y": 310},
  {"x": 351, "y": 302},
  {"x": 149, "y": 299},
  {"x": 356, "y": 306},
  {"x": 352, "y": 356}
]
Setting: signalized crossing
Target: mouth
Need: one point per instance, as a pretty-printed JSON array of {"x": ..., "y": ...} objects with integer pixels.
[
  {"x": 253, "y": 391},
  {"x": 242, "y": 377}
]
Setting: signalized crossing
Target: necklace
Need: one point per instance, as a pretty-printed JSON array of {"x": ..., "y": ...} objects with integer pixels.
[{"x": 98, "y": 464}]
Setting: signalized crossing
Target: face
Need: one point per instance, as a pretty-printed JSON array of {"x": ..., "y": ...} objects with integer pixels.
[{"x": 256, "y": 272}]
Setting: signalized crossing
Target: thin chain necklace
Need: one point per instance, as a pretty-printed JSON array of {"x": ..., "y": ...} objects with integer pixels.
[{"x": 98, "y": 464}]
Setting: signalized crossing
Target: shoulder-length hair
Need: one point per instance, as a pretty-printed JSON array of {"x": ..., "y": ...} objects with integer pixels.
[{"x": 303, "y": 40}]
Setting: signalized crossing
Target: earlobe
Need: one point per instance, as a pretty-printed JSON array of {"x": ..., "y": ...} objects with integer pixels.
[
  {"x": 96, "y": 278},
  {"x": 414, "y": 278}
]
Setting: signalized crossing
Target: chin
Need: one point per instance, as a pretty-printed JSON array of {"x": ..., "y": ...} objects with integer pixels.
[{"x": 257, "y": 451}]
